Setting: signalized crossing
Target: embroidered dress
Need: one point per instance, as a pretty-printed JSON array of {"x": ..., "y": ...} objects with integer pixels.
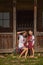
[
  {"x": 30, "y": 42},
  {"x": 21, "y": 41}
]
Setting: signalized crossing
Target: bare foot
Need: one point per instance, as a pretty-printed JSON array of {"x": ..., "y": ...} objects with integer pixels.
[
  {"x": 33, "y": 57},
  {"x": 19, "y": 56}
]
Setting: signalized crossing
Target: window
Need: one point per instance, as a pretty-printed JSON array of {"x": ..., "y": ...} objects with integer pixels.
[
  {"x": 6, "y": 24},
  {"x": 6, "y": 16},
  {"x": 5, "y": 19}
]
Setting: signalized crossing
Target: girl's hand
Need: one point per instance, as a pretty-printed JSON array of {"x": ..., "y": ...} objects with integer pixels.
[{"x": 20, "y": 32}]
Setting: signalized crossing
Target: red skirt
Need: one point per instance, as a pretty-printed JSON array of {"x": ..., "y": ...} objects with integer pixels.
[{"x": 29, "y": 46}]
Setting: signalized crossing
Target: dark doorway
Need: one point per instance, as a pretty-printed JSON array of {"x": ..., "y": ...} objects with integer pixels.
[{"x": 25, "y": 20}]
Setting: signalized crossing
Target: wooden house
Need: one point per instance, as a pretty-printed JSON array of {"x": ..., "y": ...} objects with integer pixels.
[{"x": 18, "y": 15}]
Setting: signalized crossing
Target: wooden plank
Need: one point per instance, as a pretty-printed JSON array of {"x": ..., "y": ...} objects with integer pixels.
[
  {"x": 40, "y": 41},
  {"x": 7, "y": 33},
  {"x": 6, "y": 50},
  {"x": 39, "y": 50},
  {"x": 6, "y": 41}
]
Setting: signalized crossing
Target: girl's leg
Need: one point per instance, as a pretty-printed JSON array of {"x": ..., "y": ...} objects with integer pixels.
[
  {"x": 33, "y": 51},
  {"x": 24, "y": 50},
  {"x": 26, "y": 53}
]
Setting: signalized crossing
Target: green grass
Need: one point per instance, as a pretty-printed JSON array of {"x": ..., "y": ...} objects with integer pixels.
[{"x": 15, "y": 60}]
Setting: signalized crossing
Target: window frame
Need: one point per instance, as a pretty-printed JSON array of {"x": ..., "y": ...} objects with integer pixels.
[{"x": 10, "y": 28}]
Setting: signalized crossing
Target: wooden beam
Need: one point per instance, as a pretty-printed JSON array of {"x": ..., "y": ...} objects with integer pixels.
[
  {"x": 35, "y": 21},
  {"x": 35, "y": 15},
  {"x": 22, "y": 5},
  {"x": 14, "y": 26}
]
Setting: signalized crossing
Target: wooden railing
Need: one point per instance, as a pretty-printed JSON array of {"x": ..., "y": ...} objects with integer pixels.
[
  {"x": 20, "y": 27},
  {"x": 40, "y": 41},
  {"x": 6, "y": 41}
]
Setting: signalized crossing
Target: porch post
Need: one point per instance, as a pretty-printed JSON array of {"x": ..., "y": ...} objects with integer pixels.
[
  {"x": 14, "y": 25},
  {"x": 35, "y": 21}
]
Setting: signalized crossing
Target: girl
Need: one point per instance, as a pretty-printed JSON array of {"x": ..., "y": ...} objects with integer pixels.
[
  {"x": 30, "y": 42},
  {"x": 22, "y": 40}
]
